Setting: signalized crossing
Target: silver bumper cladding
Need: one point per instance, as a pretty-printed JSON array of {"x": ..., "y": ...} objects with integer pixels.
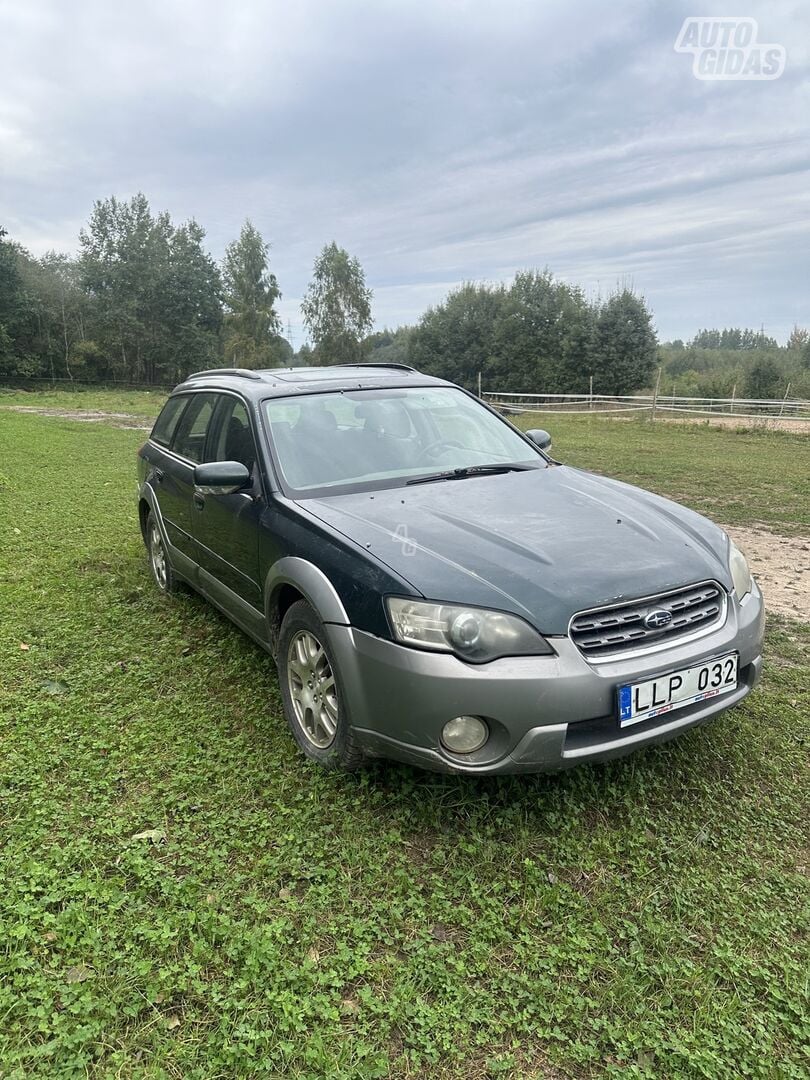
[{"x": 545, "y": 712}]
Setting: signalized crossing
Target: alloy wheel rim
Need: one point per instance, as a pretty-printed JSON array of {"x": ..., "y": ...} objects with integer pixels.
[
  {"x": 158, "y": 556},
  {"x": 312, "y": 688}
]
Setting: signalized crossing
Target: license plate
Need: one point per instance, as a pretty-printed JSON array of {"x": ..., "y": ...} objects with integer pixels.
[{"x": 644, "y": 700}]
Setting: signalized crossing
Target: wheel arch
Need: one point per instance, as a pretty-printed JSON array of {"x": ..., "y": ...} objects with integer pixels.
[
  {"x": 147, "y": 503},
  {"x": 144, "y": 507},
  {"x": 292, "y": 579}
]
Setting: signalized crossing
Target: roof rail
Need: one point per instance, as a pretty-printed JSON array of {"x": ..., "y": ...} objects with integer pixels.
[
  {"x": 244, "y": 373},
  {"x": 370, "y": 363}
]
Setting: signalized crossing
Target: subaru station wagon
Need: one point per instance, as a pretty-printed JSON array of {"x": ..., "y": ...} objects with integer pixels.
[{"x": 433, "y": 585}]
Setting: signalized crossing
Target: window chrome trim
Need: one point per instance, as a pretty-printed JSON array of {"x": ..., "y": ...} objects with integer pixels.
[
  {"x": 662, "y": 644},
  {"x": 177, "y": 457}
]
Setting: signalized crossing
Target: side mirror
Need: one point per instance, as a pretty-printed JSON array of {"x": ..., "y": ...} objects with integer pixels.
[
  {"x": 540, "y": 438},
  {"x": 220, "y": 477}
]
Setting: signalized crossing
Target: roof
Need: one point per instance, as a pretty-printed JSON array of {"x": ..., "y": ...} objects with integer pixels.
[{"x": 270, "y": 382}]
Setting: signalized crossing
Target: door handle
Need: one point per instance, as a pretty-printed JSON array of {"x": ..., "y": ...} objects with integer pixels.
[
  {"x": 157, "y": 475},
  {"x": 199, "y": 501}
]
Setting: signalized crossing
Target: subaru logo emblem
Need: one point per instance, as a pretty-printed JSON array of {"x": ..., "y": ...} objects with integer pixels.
[{"x": 658, "y": 619}]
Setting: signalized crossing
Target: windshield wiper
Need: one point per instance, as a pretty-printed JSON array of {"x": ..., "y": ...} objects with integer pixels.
[{"x": 471, "y": 470}]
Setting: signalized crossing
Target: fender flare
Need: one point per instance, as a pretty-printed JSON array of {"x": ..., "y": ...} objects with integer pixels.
[
  {"x": 311, "y": 582},
  {"x": 147, "y": 495}
]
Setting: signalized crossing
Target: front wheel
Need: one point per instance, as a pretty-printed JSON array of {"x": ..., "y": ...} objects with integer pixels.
[{"x": 314, "y": 703}]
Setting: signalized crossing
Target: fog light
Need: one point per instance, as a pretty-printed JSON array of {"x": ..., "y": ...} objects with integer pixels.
[{"x": 465, "y": 734}]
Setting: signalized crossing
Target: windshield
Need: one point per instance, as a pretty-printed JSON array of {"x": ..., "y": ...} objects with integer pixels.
[{"x": 380, "y": 438}]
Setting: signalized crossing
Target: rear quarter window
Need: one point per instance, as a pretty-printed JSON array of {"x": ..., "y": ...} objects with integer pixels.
[{"x": 167, "y": 421}]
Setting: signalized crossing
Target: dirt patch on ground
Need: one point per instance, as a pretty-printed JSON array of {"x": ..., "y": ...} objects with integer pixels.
[
  {"x": 756, "y": 423},
  {"x": 781, "y": 565},
  {"x": 736, "y": 423},
  {"x": 88, "y": 416}
]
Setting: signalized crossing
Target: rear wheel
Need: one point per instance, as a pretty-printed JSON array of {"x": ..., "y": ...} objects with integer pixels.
[
  {"x": 158, "y": 557},
  {"x": 314, "y": 704}
]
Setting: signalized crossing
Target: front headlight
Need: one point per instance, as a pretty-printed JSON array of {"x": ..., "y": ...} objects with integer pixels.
[
  {"x": 471, "y": 633},
  {"x": 740, "y": 574}
]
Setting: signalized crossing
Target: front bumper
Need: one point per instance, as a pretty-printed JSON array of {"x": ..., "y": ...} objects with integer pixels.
[{"x": 545, "y": 712}]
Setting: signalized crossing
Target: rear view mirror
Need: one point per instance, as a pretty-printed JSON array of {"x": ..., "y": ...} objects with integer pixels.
[
  {"x": 540, "y": 438},
  {"x": 220, "y": 477}
]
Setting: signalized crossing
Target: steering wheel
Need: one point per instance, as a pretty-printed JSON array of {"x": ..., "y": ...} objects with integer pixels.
[{"x": 428, "y": 451}]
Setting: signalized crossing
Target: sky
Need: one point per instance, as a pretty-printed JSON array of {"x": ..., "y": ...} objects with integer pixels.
[{"x": 438, "y": 142}]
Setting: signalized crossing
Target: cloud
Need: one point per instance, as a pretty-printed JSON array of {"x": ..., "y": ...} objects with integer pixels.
[{"x": 438, "y": 142}]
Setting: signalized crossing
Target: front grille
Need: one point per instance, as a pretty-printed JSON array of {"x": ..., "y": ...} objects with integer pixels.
[{"x": 620, "y": 628}]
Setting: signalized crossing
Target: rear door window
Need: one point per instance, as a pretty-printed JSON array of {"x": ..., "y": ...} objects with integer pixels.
[
  {"x": 166, "y": 423},
  {"x": 192, "y": 431}
]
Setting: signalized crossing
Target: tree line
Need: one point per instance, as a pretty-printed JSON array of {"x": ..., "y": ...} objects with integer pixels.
[
  {"x": 737, "y": 362},
  {"x": 143, "y": 301},
  {"x": 535, "y": 334}
]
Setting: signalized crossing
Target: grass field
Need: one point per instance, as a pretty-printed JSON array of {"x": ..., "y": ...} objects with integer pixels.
[
  {"x": 185, "y": 897},
  {"x": 145, "y": 403},
  {"x": 746, "y": 477}
]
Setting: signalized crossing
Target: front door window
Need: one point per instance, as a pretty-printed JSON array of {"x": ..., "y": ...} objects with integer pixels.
[{"x": 189, "y": 438}]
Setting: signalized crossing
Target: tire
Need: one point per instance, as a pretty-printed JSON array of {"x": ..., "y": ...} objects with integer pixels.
[
  {"x": 315, "y": 704},
  {"x": 162, "y": 572}
]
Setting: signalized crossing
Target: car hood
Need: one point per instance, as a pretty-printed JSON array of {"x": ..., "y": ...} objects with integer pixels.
[{"x": 543, "y": 544}]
